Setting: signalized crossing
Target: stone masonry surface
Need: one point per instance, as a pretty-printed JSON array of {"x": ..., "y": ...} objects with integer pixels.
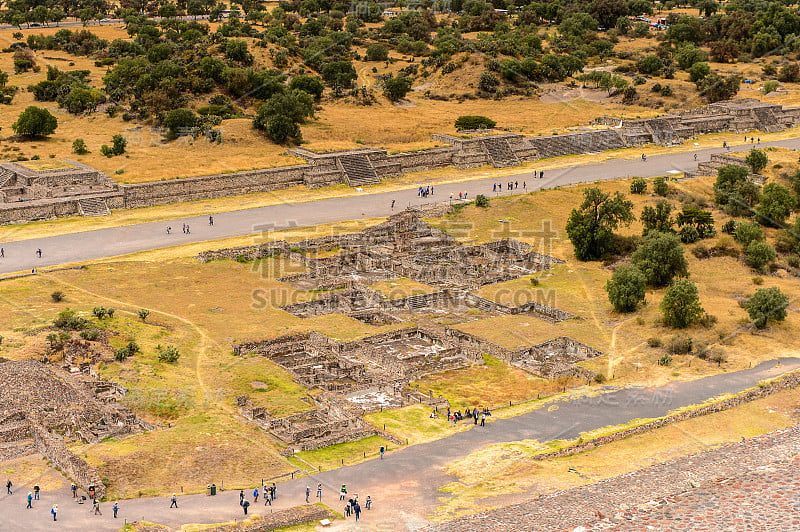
[
  {"x": 279, "y": 519},
  {"x": 693, "y": 481},
  {"x": 27, "y": 195}
]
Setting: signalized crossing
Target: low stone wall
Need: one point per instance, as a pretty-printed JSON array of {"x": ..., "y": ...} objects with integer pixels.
[
  {"x": 788, "y": 382},
  {"x": 39, "y": 211},
  {"x": 424, "y": 160},
  {"x": 53, "y": 448},
  {"x": 279, "y": 519}
]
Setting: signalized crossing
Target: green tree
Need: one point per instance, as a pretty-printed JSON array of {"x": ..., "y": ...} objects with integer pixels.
[
  {"x": 681, "y": 304},
  {"x": 688, "y": 55},
  {"x": 650, "y": 65},
  {"x": 118, "y": 144},
  {"x": 395, "y": 88},
  {"x": 698, "y": 71},
  {"x": 626, "y": 288},
  {"x": 776, "y": 203},
  {"x": 169, "y": 354},
  {"x": 236, "y": 50},
  {"x": 660, "y": 186},
  {"x": 179, "y": 122},
  {"x": 377, "y": 52},
  {"x": 310, "y": 84},
  {"x": 734, "y": 191},
  {"x": 766, "y": 305},
  {"x": 591, "y": 226},
  {"x": 715, "y": 88},
  {"x": 756, "y": 160},
  {"x": 747, "y": 232},
  {"x": 474, "y": 122},
  {"x": 657, "y": 218},
  {"x": 660, "y": 258},
  {"x": 79, "y": 147},
  {"x": 339, "y": 75},
  {"x": 759, "y": 254},
  {"x": 638, "y": 186},
  {"x": 35, "y": 122}
]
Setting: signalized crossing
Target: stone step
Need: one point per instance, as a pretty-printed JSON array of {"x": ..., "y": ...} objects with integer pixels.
[
  {"x": 358, "y": 170},
  {"x": 93, "y": 207}
]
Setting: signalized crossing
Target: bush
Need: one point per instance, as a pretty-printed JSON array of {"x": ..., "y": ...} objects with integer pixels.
[
  {"x": 169, "y": 354},
  {"x": 396, "y": 88},
  {"x": 143, "y": 314},
  {"x": 708, "y": 320},
  {"x": 748, "y": 232},
  {"x": 701, "y": 252},
  {"x": 67, "y": 319},
  {"x": 481, "y": 201},
  {"x": 118, "y": 144},
  {"x": 756, "y": 160},
  {"x": 698, "y": 71},
  {"x": 660, "y": 186},
  {"x": 665, "y": 360},
  {"x": 689, "y": 234},
  {"x": 654, "y": 341},
  {"x": 488, "y": 82},
  {"x": 766, "y": 305},
  {"x": 57, "y": 296},
  {"x": 729, "y": 227},
  {"x": 759, "y": 254},
  {"x": 650, "y": 65},
  {"x": 680, "y": 345},
  {"x": 35, "y": 122},
  {"x": 681, "y": 304},
  {"x": 377, "y": 52},
  {"x": 107, "y": 150},
  {"x": 79, "y": 147},
  {"x": 626, "y": 288},
  {"x": 121, "y": 354},
  {"x": 638, "y": 186},
  {"x": 90, "y": 334},
  {"x": 770, "y": 86},
  {"x": 660, "y": 258},
  {"x": 474, "y": 122}
]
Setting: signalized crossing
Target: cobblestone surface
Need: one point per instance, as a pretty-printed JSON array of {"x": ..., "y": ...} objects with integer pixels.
[
  {"x": 765, "y": 499},
  {"x": 746, "y": 485}
]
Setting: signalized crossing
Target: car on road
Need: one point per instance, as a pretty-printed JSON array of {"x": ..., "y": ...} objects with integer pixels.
[{"x": 34, "y": 25}]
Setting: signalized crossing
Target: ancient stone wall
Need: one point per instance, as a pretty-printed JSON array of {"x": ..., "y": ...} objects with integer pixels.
[{"x": 280, "y": 519}]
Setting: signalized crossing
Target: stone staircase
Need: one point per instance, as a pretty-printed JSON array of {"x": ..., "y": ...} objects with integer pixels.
[
  {"x": 93, "y": 207},
  {"x": 767, "y": 122},
  {"x": 717, "y": 161},
  {"x": 499, "y": 152},
  {"x": 357, "y": 169}
]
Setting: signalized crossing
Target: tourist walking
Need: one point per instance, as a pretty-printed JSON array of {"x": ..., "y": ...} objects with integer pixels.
[
  {"x": 210, "y": 220},
  {"x": 54, "y": 512},
  {"x": 255, "y": 495},
  {"x": 241, "y": 497},
  {"x": 319, "y": 491},
  {"x": 174, "y": 503},
  {"x": 368, "y": 502},
  {"x": 36, "y": 492},
  {"x": 483, "y": 419},
  {"x": 541, "y": 174},
  {"x": 383, "y": 450},
  {"x": 2, "y": 253},
  {"x": 169, "y": 229},
  {"x": 245, "y": 505},
  {"x": 97, "y": 508},
  {"x": 343, "y": 492},
  {"x": 8, "y": 486},
  {"x": 74, "y": 489},
  {"x": 39, "y": 252},
  {"x": 30, "y": 500},
  {"x": 357, "y": 510},
  {"x": 392, "y": 204},
  {"x": 266, "y": 496},
  {"x": 308, "y": 494},
  {"x": 115, "y": 509},
  {"x": 273, "y": 491}
]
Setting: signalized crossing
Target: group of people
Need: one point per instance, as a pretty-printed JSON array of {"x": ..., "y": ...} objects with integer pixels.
[
  {"x": 455, "y": 417},
  {"x": 498, "y": 187},
  {"x": 186, "y": 229},
  {"x": 424, "y": 192},
  {"x": 35, "y": 495},
  {"x": 352, "y": 507}
]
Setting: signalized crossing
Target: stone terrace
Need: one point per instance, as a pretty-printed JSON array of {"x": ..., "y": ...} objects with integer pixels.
[{"x": 725, "y": 488}]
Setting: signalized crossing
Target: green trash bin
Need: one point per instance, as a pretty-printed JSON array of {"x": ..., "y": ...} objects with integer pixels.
[{"x": 213, "y": 489}]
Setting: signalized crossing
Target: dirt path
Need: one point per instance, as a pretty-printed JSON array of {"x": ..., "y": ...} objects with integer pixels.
[{"x": 405, "y": 484}]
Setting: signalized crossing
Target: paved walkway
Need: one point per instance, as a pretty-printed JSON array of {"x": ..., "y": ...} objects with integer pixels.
[
  {"x": 103, "y": 243},
  {"x": 404, "y": 485}
]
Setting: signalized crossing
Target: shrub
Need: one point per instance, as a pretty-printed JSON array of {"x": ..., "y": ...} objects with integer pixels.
[
  {"x": 638, "y": 186},
  {"x": 626, "y": 288},
  {"x": 729, "y": 227},
  {"x": 708, "y": 320},
  {"x": 169, "y": 354},
  {"x": 680, "y": 345},
  {"x": 748, "y": 232},
  {"x": 654, "y": 341},
  {"x": 660, "y": 258},
  {"x": 689, "y": 234},
  {"x": 67, "y": 319},
  {"x": 660, "y": 186},
  {"x": 35, "y": 122},
  {"x": 377, "y": 52},
  {"x": 756, "y": 160},
  {"x": 758, "y": 281},
  {"x": 766, "y": 305},
  {"x": 79, "y": 147},
  {"x": 759, "y": 254},
  {"x": 121, "y": 354},
  {"x": 665, "y": 360},
  {"x": 701, "y": 252},
  {"x": 396, "y": 88},
  {"x": 118, "y": 144},
  {"x": 90, "y": 334},
  {"x": 106, "y": 150},
  {"x": 481, "y": 201},
  {"x": 474, "y": 122},
  {"x": 99, "y": 312},
  {"x": 57, "y": 296},
  {"x": 681, "y": 304},
  {"x": 143, "y": 314},
  {"x": 770, "y": 86}
]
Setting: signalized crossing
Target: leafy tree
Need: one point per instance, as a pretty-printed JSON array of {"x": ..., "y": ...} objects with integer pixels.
[
  {"x": 118, "y": 144},
  {"x": 766, "y": 305},
  {"x": 179, "y": 122},
  {"x": 660, "y": 186},
  {"x": 756, "y": 160},
  {"x": 734, "y": 191},
  {"x": 474, "y": 122},
  {"x": 681, "y": 304},
  {"x": 747, "y": 232},
  {"x": 688, "y": 55},
  {"x": 236, "y": 50},
  {"x": 776, "y": 203},
  {"x": 607, "y": 12},
  {"x": 339, "y": 75},
  {"x": 688, "y": 234},
  {"x": 35, "y": 122},
  {"x": 660, "y": 258},
  {"x": 789, "y": 73},
  {"x": 481, "y": 201},
  {"x": 715, "y": 88},
  {"x": 79, "y": 147},
  {"x": 657, "y": 218},
  {"x": 698, "y": 71},
  {"x": 310, "y": 84},
  {"x": 759, "y": 254},
  {"x": 626, "y": 288},
  {"x": 591, "y": 226},
  {"x": 638, "y": 186},
  {"x": 700, "y": 220},
  {"x": 377, "y": 52},
  {"x": 395, "y": 88},
  {"x": 650, "y": 65}
]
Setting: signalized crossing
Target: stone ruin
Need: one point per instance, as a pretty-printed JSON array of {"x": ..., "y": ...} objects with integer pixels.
[
  {"x": 403, "y": 246},
  {"x": 42, "y": 409},
  {"x": 27, "y": 195},
  {"x": 717, "y": 161},
  {"x": 374, "y": 373}
]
